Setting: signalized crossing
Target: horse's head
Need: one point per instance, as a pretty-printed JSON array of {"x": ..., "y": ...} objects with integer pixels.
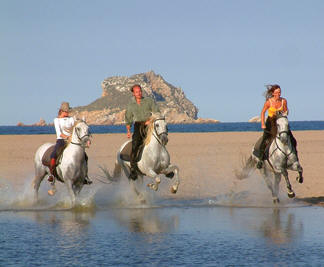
[
  {"x": 159, "y": 128},
  {"x": 81, "y": 134},
  {"x": 282, "y": 127}
]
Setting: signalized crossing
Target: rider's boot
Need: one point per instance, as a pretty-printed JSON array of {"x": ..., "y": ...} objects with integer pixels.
[
  {"x": 87, "y": 180},
  {"x": 261, "y": 154},
  {"x": 133, "y": 167},
  {"x": 51, "y": 177}
]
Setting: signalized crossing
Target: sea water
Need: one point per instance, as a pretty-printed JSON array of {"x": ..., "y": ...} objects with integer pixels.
[
  {"x": 164, "y": 236},
  {"x": 173, "y": 128}
]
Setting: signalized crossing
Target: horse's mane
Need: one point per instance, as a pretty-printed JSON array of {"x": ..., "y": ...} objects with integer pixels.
[
  {"x": 150, "y": 127},
  {"x": 76, "y": 122}
]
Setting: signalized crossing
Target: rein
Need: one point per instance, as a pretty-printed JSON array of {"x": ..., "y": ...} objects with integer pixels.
[
  {"x": 157, "y": 136},
  {"x": 278, "y": 147},
  {"x": 80, "y": 139}
]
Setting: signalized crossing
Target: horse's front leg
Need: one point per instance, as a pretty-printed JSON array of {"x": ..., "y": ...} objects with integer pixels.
[
  {"x": 291, "y": 193},
  {"x": 170, "y": 172},
  {"x": 298, "y": 168},
  {"x": 69, "y": 186},
  {"x": 156, "y": 180},
  {"x": 277, "y": 179},
  {"x": 266, "y": 176}
]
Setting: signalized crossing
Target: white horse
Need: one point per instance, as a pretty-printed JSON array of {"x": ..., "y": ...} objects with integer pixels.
[
  {"x": 72, "y": 168},
  {"x": 282, "y": 157},
  {"x": 155, "y": 159}
]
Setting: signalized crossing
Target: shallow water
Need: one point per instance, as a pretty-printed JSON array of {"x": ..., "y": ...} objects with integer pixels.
[{"x": 168, "y": 233}]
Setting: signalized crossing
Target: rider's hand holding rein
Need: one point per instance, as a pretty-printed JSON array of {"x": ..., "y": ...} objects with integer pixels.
[{"x": 128, "y": 131}]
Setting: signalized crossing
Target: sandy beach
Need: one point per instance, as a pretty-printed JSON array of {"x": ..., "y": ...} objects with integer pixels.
[{"x": 207, "y": 162}]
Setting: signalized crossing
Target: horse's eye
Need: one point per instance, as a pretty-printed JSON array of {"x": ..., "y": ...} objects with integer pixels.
[{"x": 157, "y": 125}]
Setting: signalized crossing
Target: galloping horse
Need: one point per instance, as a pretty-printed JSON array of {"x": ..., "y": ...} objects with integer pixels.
[
  {"x": 282, "y": 156},
  {"x": 155, "y": 159},
  {"x": 72, "y": 168}
]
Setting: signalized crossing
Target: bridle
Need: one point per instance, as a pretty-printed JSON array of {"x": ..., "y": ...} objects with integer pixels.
[
  {"x": 278, "y": 137},
  {"x": 155, "y": 134},
  {"x": 81, "y": 138}
]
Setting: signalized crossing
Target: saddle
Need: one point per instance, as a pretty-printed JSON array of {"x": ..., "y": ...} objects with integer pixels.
[
  {"x": 256, "y": 149},
  {"x": 46, "y": 159},
  {"x": 127, "y": 150}
]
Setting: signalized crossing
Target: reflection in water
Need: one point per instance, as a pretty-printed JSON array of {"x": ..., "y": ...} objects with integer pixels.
[
  {"x": 70, "y": 224},
  {"x": 280, "y": 227},
  {"x": 276, "y": 225},
  {"x": 145, "y": 220}
]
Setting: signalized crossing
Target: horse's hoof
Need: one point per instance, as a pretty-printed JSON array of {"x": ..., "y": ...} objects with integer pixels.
[
  {"x": 51, "y": 192},
  {"x": 276, "y": 201},
  {"x": 299, "y": 179},
  {"x": 174, "y": 189},
  {"x": 170, "y": 175},
  {"x": 291, "y": 194},
  {"x": 153, "y": 186}
]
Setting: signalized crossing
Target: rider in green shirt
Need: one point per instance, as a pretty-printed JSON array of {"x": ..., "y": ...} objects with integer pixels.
[{"x": 138, "y": 111}]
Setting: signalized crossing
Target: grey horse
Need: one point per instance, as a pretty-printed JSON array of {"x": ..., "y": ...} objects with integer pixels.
[
  {"x": 72, "y": 168},
  {"x": 154, "y": 161},
  {"x": 282, "y": 156}
]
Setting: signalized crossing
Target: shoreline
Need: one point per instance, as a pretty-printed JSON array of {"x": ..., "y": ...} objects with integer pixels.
[{"x": 207, "y": 162}]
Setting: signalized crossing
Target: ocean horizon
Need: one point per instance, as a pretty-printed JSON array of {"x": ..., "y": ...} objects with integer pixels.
[{"x": 173, "y": 128}]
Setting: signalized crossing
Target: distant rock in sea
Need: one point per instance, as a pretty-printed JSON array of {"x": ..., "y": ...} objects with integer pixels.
[
  {"x": 110, "y": 108},
  {"x": 255, "y": 119},
  {"x": 41, "y": 122}
]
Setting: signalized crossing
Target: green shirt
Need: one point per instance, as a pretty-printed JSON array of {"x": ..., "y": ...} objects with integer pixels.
[{"x": 140, "y": 112}]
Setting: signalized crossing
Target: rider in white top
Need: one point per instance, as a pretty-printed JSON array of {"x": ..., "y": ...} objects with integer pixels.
[{"x": 63, "y": 127}]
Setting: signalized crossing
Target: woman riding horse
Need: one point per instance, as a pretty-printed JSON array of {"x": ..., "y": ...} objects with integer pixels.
[
  {"x": 63, "y": 125},
  {"x": 274, "y": 103}
]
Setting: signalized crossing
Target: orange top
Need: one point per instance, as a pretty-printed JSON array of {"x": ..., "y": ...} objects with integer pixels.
[{"x": 272, "y": 110}]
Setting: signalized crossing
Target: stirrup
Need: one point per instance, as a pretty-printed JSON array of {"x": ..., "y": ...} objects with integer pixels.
[
  {"x": 51, "y": 178},
  {"x": 87, "y": 180},
  {"x": 132, "y": 174},
  {"x": 259, "y": 164}
]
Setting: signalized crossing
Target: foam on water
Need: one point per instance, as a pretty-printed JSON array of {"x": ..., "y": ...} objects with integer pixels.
[{"x": 102, "y": 194}]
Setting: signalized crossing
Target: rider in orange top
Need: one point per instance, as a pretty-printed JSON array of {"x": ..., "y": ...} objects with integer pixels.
[{"x": 274, "y": 103}]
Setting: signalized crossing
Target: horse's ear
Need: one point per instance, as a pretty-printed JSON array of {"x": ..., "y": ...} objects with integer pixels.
[
  {"x": 285, "y": 113},
  {"x": 84, "y": 119},
  {"x": 164, "y": 113}
]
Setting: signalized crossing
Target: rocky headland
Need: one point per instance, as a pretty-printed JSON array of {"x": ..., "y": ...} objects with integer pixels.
[{"x": 110, "y": 107}]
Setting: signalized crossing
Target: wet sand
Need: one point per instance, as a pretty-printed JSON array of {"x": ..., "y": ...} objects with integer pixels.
[{"x": 207, "y": 161}]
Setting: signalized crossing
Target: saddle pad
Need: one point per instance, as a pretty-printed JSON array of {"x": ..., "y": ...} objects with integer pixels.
[
  {"x": 125, "y": 153},
  {"x": 256, "y": 149},
  {"x": 46, "y": 159},
  {"x": 127, "y": 150}
]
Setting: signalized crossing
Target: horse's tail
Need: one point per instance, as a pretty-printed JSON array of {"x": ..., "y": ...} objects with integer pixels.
[
  {"x": 107, "y": 175},
  {"x": 248, "y": 166},
  {"x": 117, "y": 170}
]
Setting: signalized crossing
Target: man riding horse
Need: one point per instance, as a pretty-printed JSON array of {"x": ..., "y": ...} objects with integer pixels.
[
  {"x": 274, "y": 103},
  {"x": 138, "y": 112}
]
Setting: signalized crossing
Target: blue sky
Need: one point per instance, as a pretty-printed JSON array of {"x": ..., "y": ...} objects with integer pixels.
[{"x": 221, "y": 53}]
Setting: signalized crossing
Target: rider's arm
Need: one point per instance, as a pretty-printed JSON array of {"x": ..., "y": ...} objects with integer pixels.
[
  {"x": 265, "y": 108},
  {"x": 57, "y": 128},
  {"x": 285, "y": 106},
  {"x": 128, "y": 120}
]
